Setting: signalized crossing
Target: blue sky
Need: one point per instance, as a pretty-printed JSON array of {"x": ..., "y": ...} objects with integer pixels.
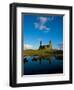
[{"x": 42, "y": 27}]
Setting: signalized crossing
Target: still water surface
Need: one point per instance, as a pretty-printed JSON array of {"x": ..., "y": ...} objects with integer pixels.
[{"x": 33, "y": 65}]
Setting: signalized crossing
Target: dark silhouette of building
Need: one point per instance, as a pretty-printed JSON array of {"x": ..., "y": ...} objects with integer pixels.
[{"x": 48, "y": 46}]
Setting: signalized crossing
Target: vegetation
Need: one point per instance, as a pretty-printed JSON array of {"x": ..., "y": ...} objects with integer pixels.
[{"x": 43, "y": 53}]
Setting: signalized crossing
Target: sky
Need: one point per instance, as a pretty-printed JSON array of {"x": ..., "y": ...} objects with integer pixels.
[{"x": 43, "y": 28}]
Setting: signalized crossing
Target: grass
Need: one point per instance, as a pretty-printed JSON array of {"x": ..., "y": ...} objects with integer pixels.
[{"x": 43, "y": 53}]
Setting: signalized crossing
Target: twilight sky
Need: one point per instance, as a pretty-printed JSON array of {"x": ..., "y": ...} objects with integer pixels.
[{"x": 42, "y": 27}]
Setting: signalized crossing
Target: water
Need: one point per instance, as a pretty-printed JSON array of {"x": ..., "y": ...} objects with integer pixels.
[{"x": 34, "y": 65}]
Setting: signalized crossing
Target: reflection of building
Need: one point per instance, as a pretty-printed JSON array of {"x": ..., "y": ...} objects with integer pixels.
[{"x": 49, "y": 46}]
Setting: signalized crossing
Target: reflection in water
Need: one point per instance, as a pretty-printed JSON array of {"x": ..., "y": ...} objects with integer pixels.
[
  {"x": 25, "y": 60},
  {"x": 40, "y": 59},
  {"x": 42, "y": 65}
]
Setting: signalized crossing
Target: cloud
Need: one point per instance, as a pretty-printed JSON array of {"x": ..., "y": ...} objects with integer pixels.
[
  {"x": 41, "y": 24},
  {"x": 60, "y": 45},
  {"x": 43, "y": 20},
  {"x": 36, "y": 25},
  {"x": 39, "y": 39},
  {"x": 42, "y": 27},
  {"x": 51, "y": 18},
  {"x": 27, "y": 46}
]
